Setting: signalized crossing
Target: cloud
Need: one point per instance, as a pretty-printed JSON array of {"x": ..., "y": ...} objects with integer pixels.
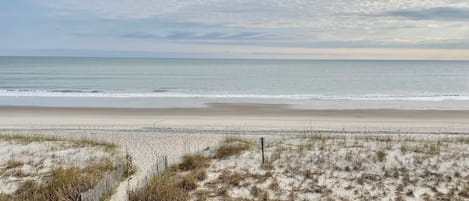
[
  {"x": 299, "y": 19},
  {"x": 187, "y": 35},
  {"x": 439, "y": 13},
  {"x": 140, "y": 35},
  {"x": 270, "y": 24}
]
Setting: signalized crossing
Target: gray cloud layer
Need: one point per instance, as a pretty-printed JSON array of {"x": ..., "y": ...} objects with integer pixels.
[
  {"x": 173, "y": 24},
  {"x": 439, "y": 13}
]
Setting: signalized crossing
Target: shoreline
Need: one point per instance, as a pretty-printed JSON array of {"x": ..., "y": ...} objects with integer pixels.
[
  {"x": 188, "y": 103},
  {"x": 243, "y": 109}
]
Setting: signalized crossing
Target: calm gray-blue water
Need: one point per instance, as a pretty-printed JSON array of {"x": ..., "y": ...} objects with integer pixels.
[{"x": 257, "y": 79}]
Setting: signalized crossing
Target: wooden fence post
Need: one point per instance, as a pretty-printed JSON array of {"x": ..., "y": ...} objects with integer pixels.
[{"x": 262, "y": 148}]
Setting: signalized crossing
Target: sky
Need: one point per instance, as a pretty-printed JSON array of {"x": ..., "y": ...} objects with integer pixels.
[{"x": 259, "y": 29}]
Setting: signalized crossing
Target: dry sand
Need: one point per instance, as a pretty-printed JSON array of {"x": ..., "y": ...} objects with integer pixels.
[
  {"x": 236, "y": 116},
  {"x": 35, "y": 160},
  {"x": 148, "y": 133},
  {"x": 344, "y": 167}
]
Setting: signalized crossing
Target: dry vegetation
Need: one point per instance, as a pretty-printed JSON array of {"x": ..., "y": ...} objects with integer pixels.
[
  {"x": 323, "y": 167},
  {"x": 84, "y": 142},
  {"x": 177, "y": 183},
  {"x": 41, "y": 168},
  {"x": 63, "y": 184},
  {"x": 232, "y": 146}
]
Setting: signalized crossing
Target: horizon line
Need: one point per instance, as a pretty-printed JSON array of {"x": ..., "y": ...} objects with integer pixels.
[{"x": 245, "y": 59}]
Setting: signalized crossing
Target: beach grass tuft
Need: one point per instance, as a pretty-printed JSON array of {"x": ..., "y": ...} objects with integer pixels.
[
  {"x": 191, "y": 162},
  {"x": 27, "y": 139},
  {"x": 64, "y": 184},
  {"x": 232, "y": 146},
  {"x": 82, "y": 142},
  {"x": 381, "y": 155},
  {"x": 181, "y": 179}
]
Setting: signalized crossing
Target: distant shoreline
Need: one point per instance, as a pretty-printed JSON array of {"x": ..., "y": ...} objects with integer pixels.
[{"x": 227, "y": 59}]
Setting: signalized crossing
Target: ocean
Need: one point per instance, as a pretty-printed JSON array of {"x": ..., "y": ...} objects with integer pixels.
[{"x": 145, "y": 82}]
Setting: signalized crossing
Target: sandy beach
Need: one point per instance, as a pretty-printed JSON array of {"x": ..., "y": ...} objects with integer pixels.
[
  {"x": 236, "y": 117},
  {"x": 150, "y": 133}
]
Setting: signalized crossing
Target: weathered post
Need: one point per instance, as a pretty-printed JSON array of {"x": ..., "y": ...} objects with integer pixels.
[
  {"x": 128, "y": 164},
  {"x": 262, "y": 148}
]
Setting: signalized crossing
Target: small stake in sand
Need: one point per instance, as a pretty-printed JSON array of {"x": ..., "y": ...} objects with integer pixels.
[{"x": 262, "y": 148}]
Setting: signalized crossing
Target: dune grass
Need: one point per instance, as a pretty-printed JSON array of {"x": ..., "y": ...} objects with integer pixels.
[
  {"x": 365, "y": 160},
  {"x": 191, "y": 162},
  {"x": 232, "y": 146},
  {"x": 64, "y": 184},
  {"x": 83, "y": 142},
  {"x": 164, "y": 187},
  {"x": 176, "y": 183}
]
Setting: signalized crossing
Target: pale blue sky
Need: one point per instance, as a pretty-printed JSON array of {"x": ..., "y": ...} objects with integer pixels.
[{"x": 311, "y": 29}]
